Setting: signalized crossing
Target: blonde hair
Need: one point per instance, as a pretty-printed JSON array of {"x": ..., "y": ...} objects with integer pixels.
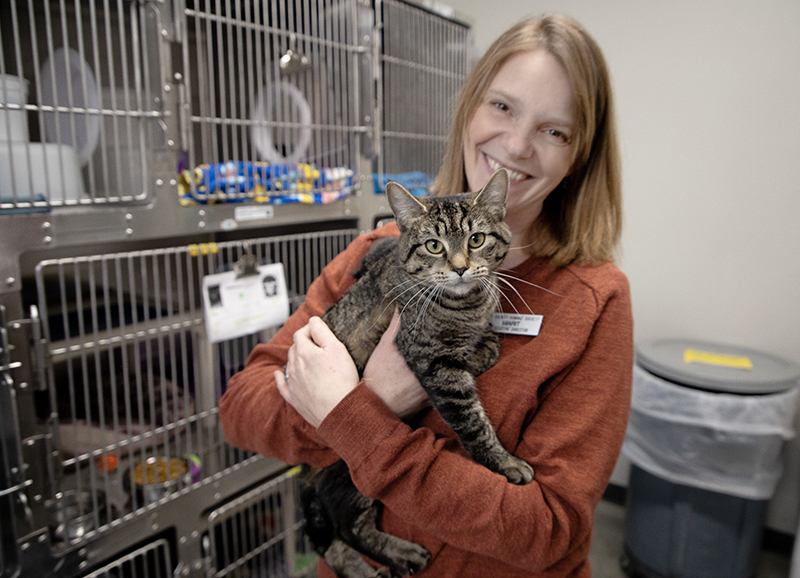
[{"x": 581, "y": 220}]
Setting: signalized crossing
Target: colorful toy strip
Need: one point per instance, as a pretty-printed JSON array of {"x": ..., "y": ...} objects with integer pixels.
[{"x": 239, "y": 181}]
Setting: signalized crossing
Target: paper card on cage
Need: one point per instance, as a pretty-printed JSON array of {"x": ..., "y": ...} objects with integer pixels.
[{"x": 241, "y": 305}]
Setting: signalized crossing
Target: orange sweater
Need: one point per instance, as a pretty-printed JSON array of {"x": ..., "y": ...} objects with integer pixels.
[{"x": 559, "y": 400}]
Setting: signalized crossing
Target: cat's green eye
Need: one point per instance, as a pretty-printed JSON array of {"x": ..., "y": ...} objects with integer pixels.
[
  {"x": 434, "y": 246},
  {"x": 476, "y": 240}
]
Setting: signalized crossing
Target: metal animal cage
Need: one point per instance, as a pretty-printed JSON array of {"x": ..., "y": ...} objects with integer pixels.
[
  {"x": 82, "y": 103},
  {"x": 278, "y": 84},
  {"x": 132, "y": 381},
  {"x": 151, "y": 560},
  {"x": 421, "y": 71},
  {"x": 145, "y": 145},
  {"x": 260, "y": 533}
]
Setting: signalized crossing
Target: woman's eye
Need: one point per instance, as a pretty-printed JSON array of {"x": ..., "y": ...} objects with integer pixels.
[
  {"x": 555, "y": 136},
  {"x": 434, "y": 246},
  {"x": 476, "y": 240},
  {"x": 500, "y": 106}
]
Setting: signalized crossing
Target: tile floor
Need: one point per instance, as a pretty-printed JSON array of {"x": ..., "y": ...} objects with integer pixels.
[{"x": 609, "y": 536}]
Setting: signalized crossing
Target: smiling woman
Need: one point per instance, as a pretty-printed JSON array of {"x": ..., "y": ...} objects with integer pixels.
[{"x": 539, "y": 105}]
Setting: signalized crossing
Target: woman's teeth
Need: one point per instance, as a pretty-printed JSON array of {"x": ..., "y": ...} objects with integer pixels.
[{"x": 513, "y": 175}]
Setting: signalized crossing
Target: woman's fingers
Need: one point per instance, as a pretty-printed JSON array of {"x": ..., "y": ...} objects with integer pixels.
[
  {"x": 320, "y": 333},
  {"x": 319, "y": 372}
]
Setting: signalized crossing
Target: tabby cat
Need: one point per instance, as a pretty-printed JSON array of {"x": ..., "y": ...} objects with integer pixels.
[{"x": 440, "y": 275}]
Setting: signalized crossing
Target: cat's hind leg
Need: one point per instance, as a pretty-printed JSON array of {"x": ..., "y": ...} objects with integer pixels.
[
  {"x": 403, "y": 557},
  {"x": 339, "y": 515},
  {"x": 347, "y": 563}
]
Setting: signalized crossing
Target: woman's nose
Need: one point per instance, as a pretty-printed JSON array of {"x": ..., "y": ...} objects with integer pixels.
[{"x": 519, "y": 143}]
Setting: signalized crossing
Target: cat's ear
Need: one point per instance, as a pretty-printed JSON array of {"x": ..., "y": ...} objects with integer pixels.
[
  {"x": 492, "y": 196},
  {"x": 405, "y": 207}
]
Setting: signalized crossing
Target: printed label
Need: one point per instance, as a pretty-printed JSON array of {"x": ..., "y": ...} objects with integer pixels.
[
  {"x": 236, "y": 306},
  {"x": 517, "y": 324},
  {"x": 253, "y": 213}
]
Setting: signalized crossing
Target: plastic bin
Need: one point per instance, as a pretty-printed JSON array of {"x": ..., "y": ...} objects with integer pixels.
[
  {"x": 705, "y": 437},
  {"x": 13, "y": 122}
]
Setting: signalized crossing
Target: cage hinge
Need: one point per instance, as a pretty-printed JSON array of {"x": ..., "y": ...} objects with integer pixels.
[
  {"x": 31, "y": 372},
  {"x": 13, "y": 335}
]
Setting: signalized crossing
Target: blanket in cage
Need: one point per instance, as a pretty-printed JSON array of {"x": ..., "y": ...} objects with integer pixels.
[{"x": 241, "y": 181}]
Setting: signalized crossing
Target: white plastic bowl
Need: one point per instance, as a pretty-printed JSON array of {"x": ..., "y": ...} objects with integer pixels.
[
  {"x": 41, "y": 171},
  {"x": 13, "y": 123},
  {"x": 68, "y": 81}
]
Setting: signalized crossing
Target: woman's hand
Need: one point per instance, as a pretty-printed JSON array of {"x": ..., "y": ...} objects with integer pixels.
[
  {"x": 389, "y": 377},
  {"x": 320, "y": 372}
]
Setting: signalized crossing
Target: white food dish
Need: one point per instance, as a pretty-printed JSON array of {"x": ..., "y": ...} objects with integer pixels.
[
  {"x": 287, "y": 100},
  {"x": 118, "y": 163},
  {"x": 44, "y": 170},
  {"x": 13, "y": 123},
  {"x": 65, "y": 74}
]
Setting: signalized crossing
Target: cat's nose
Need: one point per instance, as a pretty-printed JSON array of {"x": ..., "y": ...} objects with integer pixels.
[{"x": 459, "y": 270}]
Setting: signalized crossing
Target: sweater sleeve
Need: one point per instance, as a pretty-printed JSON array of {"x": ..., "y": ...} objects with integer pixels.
[
  {"x": 572, "y": 431},
  {"x": 253, "y": 414}
]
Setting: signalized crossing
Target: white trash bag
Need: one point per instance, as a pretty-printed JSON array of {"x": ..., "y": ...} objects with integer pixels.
[{"x": 722, "y": 442}]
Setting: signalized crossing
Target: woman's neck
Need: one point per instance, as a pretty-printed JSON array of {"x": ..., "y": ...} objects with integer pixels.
[
  {"x": 517, "y": 252},
  {"x": 516, "y": 256}
]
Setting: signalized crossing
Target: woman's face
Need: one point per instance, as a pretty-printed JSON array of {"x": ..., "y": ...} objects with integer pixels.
[{"x": 525, "y": 123}]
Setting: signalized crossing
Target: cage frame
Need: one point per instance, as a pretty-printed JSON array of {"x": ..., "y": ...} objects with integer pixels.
[{"x": 72, "y": 232}]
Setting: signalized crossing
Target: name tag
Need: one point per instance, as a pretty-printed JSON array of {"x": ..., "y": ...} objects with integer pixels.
[{"x": 517, "y": 324}]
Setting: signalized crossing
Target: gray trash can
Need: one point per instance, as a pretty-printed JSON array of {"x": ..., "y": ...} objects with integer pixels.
[{"x": 705, "y": 436}]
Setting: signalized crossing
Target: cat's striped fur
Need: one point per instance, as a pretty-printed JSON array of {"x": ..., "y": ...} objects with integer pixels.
[{"x": 440, "y": 275}]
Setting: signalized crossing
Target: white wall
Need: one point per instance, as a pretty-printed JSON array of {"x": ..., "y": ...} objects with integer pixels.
[{"x": 708, "y": 101}]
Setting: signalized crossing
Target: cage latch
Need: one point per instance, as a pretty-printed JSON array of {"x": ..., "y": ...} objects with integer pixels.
[{"x": 246, "y": 266}]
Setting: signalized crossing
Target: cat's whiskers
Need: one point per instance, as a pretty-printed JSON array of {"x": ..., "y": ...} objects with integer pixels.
[
  {"x": 520, "y": 247},
  {"x": 404, "y": 291},
  {"x": 507, "y": 276},
  {"x": 504, "y": 277},
  {"x": 429, "y": 297},
  {"x": 416, "y": 295},
  {"x": 438, "y": 291},
  {"x": 489, "y": 285},
  {"x": 399, "y": 285},
  {"x": 511, "y": 303},
  {"x": 518, "y": 295},
  {"x": 393, "y": 299}
]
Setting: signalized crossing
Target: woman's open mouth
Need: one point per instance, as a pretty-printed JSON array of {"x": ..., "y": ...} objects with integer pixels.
[{"x": 512, "y": 174}]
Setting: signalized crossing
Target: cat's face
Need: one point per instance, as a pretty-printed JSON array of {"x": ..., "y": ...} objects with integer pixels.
[{"x": 453, "y": 243}]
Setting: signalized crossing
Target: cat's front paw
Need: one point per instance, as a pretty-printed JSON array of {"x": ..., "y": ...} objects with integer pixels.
[
  {"x": 516, "y": 471},
  {"x": 410, "y": 559}
]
